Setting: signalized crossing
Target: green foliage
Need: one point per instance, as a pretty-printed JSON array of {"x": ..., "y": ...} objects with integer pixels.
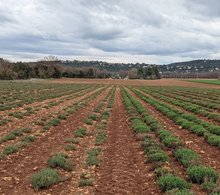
[
  {"x": 187, "y": 157},
  {"x": 17, "y": 132},
  {"x": 2, "y": 156},
  {"x": 94, "y": 152},
  {"x": 62, "y": 116},
  {"x": 172, "y": 142},
  {"x": 187, "y": 124},
  {"x": 72, "y": 140},
  {"x": 81, "y": 132},
  {"x": 92, "y": 116},
  {"x": 101, "y": 137},
  {"x": 171, "y": 182},
  {"x": 87, "y": 121},
  {"x": 157, "y": 157},
  {"x": 10, "y": 149},
  {"x": 18, "y": 116},
  {"x": 54, "y": 122},
  {"x": 214, "y": 140},
  {"x": 58, "y": 154},
  {"x": 85, "y": 182},
  {"x": 8, "y": 137},
  {"x": 26, "y": 129},
  {"x": 198, "y": 174},
  {"x": 28, "y": 138},
  {"x": 44, "y": 179},
  {"x": 69, "y": 147},
  {"x": 92, "y": 160},
  {"x": 178, "y": 192},
  {"x": 59, "y": 161}
]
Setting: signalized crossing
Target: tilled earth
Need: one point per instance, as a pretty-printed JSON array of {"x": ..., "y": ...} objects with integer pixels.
[{"x": 123, "y": 170}]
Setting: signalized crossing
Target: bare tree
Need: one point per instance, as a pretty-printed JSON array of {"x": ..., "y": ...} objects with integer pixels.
[
  {"x": 133, "y": 73},
  {"x": 123, "y": 73}
]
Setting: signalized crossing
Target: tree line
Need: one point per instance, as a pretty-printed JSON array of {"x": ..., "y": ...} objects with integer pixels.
[
  {"x": 51, "y": 67},
  {"x": 141, "y": 73}
]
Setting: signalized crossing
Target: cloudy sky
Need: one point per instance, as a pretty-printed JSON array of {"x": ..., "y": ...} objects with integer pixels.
[{"x": 152, "y": 31}]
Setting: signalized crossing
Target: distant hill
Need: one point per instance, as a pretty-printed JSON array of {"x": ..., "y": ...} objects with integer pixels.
[
  {"x": 112, "y": 67},
  {"x": 191, "y": 66},
  {"x": 178, "y": 67}
]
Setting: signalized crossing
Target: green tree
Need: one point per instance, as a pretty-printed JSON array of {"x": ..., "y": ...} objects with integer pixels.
[
  {"x": 140, "y": 71},
  {"x": 148, "y": 71},
  {"x": 156, "y": 72}
]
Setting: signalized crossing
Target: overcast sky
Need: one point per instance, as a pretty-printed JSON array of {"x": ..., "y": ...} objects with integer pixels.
[{"x": 149, "y": 31}]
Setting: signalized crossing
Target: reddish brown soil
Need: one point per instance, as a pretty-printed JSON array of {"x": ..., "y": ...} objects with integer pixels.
[
  {"x": 26, "y": 121},
  {"x": 206, "y": 119},
  {"x": 124, "y": 169},
  {"x": 210, "y": 155},
  {"x": 161, "y": 82},
  {"x": 26, "y": 162}
]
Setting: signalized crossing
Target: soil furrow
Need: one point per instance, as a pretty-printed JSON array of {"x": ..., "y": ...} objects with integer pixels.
[
  {"x": 124, "y": 170},
  {"x": 209, "y": 154},
  {"x": 34, "y": 157}
]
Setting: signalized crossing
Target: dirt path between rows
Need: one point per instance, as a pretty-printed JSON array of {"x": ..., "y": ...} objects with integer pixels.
[
  {"x": 210, "y": 155},
  {"x": 22, "y": 164},
  {"x": 124, "y": 169}
]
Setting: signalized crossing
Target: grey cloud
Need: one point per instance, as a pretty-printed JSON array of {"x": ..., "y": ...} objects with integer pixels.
[{"x": 125, "y": 29}]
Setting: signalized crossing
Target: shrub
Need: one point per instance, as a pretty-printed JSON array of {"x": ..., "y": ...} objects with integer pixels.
[
  {"x": 197, "y": 174},
  {"x": 140, "y": 127},
  {"x": 61, "y": 162},
  {"x": 28, "y": 139},
  {"x": 87, "y": 121},
  {"x": 214, "y": 140},
  {"x": 62, "y": 116},
  {"x": 187, "y": 125},
  {"x": 149, "y": 120},
  {"x": 171, "y": 182},
  {"x": 8, "y": 137},
  {"x": 164, "y": 171},
  {"x": 74, "y": 141},
  {"x": 44, "y": 179},
  {"x": 201, "y": 132},
  {"x": 44, "y": 118},
  {"x": 151, "y": 142},
  {"x": 153, "y": 149},
  {"x": 58, "y": 154},
  {"x": 54, "y": 122},
  {"x": 187, "y": 157},
  {"x": 2, "y": 156},
  {"x": 100, "y": 138},
  {"x": 93, "y": 116},
  {"x": 94, "y": 152},
  {"x": 189, "y": 117},
  {"x": 26, "y": 129},
  {"x": 18, "y": 116},
  {"x": 164, "y": 134},
  {"x": 178, "y": 192},
  {"x": 196, "y": 128},
  {"x": 81, "y": 132},
  {"x": 69, "y": 147},
  {"x": 92, "y": 160},
  {"x": 156, "y": 126},
  {"x": 172, "y": 142},
  {"x": 10, "y": 149},
  {"x": 85, "y": 182},
  {"x": 157, "y": 157},
  {"x": 17, "y": 132},
  {"x": 181, "y": 121},
  {"x": 214, "y": 129}
]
